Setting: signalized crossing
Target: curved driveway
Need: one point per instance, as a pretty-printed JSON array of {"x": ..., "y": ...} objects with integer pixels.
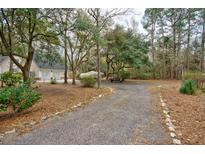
[{"x": 125, "y": 117}]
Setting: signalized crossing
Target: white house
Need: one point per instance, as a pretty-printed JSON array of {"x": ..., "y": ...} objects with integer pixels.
[{"x": 39, "y": 70}]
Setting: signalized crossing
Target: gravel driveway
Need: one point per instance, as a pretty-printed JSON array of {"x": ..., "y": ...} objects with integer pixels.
[{"x": 125, "y": 117}]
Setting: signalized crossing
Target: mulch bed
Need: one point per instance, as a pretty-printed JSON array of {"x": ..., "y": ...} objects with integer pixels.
[
  {"x": 187, "y": 110},
  {"x": 55, "y": 98}
]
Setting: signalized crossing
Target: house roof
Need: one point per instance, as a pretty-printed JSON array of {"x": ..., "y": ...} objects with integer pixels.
[
  {"x": 49, "y": 66},
  {"x": 42, "y": 62},
  {"x": 39, "y": 63}
]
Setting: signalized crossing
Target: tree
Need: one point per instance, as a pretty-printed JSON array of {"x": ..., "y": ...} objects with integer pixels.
[
  {"x": 62, "y": 22},
  {"x": 202, "y": 14},
  {"x": 174, "y": 32},
  {"x": 150, "y": 19},
  {"x": 74, "y": 31},
  {"x": 22, "y": 31},
  {"x": 126, "y": 49},
  {"x": 101, "y": 18},
  {"x": 80, "y": 42},
  {"x": 188, "y": 37}
]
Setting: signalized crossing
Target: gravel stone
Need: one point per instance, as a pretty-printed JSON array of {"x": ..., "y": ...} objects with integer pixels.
[
  {"x": 57, "y": 113},
  {"x": 168, "y": 116},
  {"x": 171, "y": 129},
  {"x": 168, "y": 120},
  {"x": 176, "y": 141},
  {"x": 172, "y": 134},
  {"x": 44, "y": 118},
  {"x": 125, "y": 117},
  {"x": 180, "y": 134},
  {"x": 1, "y": 136},
  {"x": 33, "y": 123},
  {"x": 11, "y": 131},
  {"x": 169, "y": 124},
  {"x": 166, "y": 112},
  {"x": 163, "y": 104}
]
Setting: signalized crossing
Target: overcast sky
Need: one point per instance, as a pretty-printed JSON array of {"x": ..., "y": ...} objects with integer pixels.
[{"x": 136, "y": 14}]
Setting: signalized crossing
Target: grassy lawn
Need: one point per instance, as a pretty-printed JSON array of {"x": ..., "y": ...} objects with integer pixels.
[
  {"x": 187, "y": 110},
  {"x": 55, "y": 98}
]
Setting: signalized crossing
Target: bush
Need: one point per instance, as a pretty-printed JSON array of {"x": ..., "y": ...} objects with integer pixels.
[
  {"x": 124, "y": 75},
  {"x": 10, "y": 79},
  {"x": 143, "y": 76},
  {"x": 78, "y": 76},
  {"x": 5, "y": 95},
  {"x": 29, "y": 82},
  {"x": 20, "y": 97},
  {"x": 53, "y": 80},
  {"x": 188, "y": 87},
  {"x": 88, "y": 81}
]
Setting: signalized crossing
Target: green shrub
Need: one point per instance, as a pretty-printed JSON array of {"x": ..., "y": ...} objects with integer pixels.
[
  {"x": 5, "y": 95},
  {"x": 10, "y": 79},
  {"x": 20, "y": 97},
  {"x": 188, "y": 87},
  {"x": 29, "y": 82},
  {"x": 147, "y": 76},
  {"x": 78, "y": 76},
  {"x": 23, "y": 97},
  {"x": 53, "y": 80},
  {"x": 88, "y": 81},
  {"x": 124, "y": 75},
  {"x": 143, "y": 76}
]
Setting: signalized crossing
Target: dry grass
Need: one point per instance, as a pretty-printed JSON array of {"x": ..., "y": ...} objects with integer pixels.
[
  {"x": 187, "y": 110},
  {"x": 55, "y": 98}
]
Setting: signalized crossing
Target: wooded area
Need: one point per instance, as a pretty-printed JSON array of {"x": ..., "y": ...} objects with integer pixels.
[
  {"x": 83, "y": 47},
  {"x": 89, "y": 39},
  {"x": 176, "y": 38}
]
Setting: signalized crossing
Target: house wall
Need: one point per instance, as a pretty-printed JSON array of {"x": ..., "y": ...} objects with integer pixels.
[
  {"x": 46, "y": 74},
  {"x": 42, "y": 74},
  {"x": 35, "y": 69}
]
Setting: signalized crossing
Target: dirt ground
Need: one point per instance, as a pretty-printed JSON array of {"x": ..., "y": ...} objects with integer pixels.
[
  {"x": 55, "y": 98},
  {"x": 187, "y": 110}
]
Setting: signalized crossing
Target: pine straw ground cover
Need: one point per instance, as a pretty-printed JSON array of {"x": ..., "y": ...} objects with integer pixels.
[
  {"x": 55, "y": 98},
  {"x": 188, "y": 112}
]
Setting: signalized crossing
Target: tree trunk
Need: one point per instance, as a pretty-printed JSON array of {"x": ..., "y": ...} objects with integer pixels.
[
  {"x": 66, "y": 60},
  {"x": 2, "y": 84},
  {"x": 25, "y": 74},
  {"x": 66, "y": 70},
  {"x": 174, "y": 52},
  {"x": 98, "y": 66},
  {"x": 73, "y": 77},
  {"x": 107, "y": 70},
  {"x": 171, "y": 70},
  {"x": 153, "y": 52},
  {"x": 107, "y": 66},
  {"x": 27, "y": 66},
  {"x": 164, "y": 64},
  {"x": 202, "y": 48},
  {"x": 98, "y": 52},
  {"x": 163, "y": 50},
  {"x": 188, "y": 42},
  {"x": 177, "y": 54}
]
